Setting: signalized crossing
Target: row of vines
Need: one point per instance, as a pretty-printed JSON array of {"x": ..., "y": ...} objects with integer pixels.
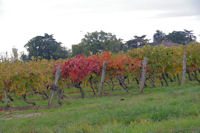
[{"x": 47, "y": 77}]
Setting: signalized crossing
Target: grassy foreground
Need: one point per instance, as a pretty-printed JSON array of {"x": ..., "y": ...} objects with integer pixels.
[{"x": 160, "y": 110}]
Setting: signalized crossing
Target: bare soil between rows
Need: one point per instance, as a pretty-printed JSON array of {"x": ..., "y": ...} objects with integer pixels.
[
  {"x": 9, "y": 117},
  {"x": 22, "y": 108}
]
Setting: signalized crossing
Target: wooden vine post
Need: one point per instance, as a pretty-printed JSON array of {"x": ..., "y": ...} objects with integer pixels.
[
  {"x": 102, "y": 78},
  {"x": 184, "y": 69},
  {"x": 55, "y": 86},
  {"x": 143, "y": 74}
]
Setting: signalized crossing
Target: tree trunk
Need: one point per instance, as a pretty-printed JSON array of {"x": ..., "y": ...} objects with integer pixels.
[
  {"x": 78, "y": 85},
  {"x": 28, "y": 102},
  {"x": 163, "y": 76},
  {"x": 196, "y": 77},
  {"x": 167, "y": 75},
  {"x": 10, "y": 98},
  {"x": 184, "y": 69},
  {"x": 161, "y": 82},
  {"x": 102, "y": 78},
  {"x": 179, "y": 82},
  {"x": 175, "y": 77},
  {"x": 91, "y": 84},
  {"x": 152, "y": 82},
  {"x": 143, "y": 75},
  {"x": 137, "y": 81},
  {"x": 128, "y": 80},
  {"x": 82, "y": 93},
  {"x": 112, "y": 88},
  {"x": 44, "y": 95},
  {"x": 189, "y": 76},
  {"x": 122, "y": 84},
  {"x": 96, "y": 87}
]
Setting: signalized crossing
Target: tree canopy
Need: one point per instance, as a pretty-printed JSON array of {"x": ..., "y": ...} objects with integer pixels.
[
  {"x": 138, "y": 41},
  {"x": 96, "y": 42},
  {"x": 158, "y": 37},
  {"x": 46, "y": 47},
  {"x": 181, "y": 37}
]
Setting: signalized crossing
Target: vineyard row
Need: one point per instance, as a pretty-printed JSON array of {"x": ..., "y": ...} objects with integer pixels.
[{"x": 147, "y": 66}]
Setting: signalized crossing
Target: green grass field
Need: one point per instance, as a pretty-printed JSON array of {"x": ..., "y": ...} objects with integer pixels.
[{"x": 159, "y": 110}]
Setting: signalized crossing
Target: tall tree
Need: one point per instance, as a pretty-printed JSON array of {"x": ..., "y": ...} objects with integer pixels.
[
  {"x": 80, "y": 49},
  {"x": 97, "y": 42},
  {"x": 181, "y": 37},
  {"x": 46, "y": 47},
  {"x": 138, "y": 41},
  {"x": 158, "y": 37},
  {"x": 190, "y": 36}
]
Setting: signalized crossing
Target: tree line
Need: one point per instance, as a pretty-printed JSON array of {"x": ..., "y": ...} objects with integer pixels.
[{"x": 95, "y": 42}]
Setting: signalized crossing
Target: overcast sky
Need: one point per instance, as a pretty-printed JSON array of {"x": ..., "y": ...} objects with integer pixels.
[{"x": 69, "y": 20}]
